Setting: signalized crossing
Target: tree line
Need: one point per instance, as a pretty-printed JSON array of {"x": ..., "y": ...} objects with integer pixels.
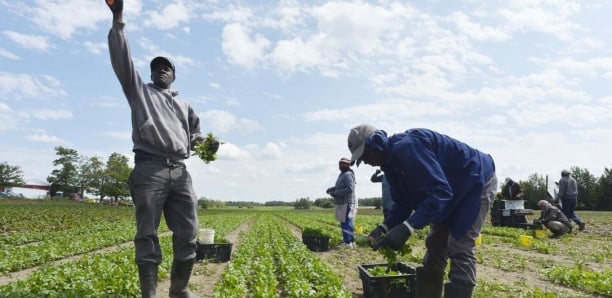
[{"x": 79, "y": 174}]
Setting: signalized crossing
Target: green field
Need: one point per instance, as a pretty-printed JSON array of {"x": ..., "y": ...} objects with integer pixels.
[{"x": 69, "y": 249}]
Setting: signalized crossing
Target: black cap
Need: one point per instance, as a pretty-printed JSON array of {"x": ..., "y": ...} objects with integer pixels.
[{"x": 162, "y": 59}]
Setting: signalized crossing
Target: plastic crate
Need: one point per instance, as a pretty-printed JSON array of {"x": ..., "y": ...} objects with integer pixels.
[
  {"x": 217, "y": 253},
  {"x": 403, "y": 285},
  {"x": 316, "y": 243}
]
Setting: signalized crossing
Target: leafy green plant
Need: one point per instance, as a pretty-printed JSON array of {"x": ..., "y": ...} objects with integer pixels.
[
  {"x": 313, "y": 232},
  {"x": 203, "y": 149},
  {"x": 391, "y": 256}
]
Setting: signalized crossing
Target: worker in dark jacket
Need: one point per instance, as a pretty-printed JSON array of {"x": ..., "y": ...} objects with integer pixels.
[
  {"x": 438, "y": 181},
  {"x": 554, "y": 219},
  {"x": 512, "y": 190},
  {"x": 568, "y": 194}
]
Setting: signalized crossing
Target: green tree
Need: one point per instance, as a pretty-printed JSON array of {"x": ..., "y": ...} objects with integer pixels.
[
  {"x": 534, "y": 189},
  {"x": 10, "y": 175},
  {"x": 303, "y": 203},
  {"x": 117, "y": 172},
  {"x": 604, "y": 191},
  {"x": 88, "y": 172},
  {"x": 64, "y": 178},
  {"x": 324, "y": 203}
]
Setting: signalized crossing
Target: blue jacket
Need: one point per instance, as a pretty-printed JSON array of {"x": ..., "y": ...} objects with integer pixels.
[{"x": 439, "y": 178}]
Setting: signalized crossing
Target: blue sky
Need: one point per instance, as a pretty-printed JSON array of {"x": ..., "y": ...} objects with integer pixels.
[{"x": 282, "y": 82}]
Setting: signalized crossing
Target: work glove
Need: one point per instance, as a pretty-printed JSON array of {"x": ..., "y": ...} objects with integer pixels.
[
  {"x": 377, "y": 234},
  {"x": 396, "y": 238},
  {"x": 115, "y": 5}
]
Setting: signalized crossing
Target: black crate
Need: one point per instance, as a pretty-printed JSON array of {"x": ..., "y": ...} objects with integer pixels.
[
  {"x": 218, "y": 252},
  {"x": 316, "y": 243},
  {"x": 403, "y": 285}
]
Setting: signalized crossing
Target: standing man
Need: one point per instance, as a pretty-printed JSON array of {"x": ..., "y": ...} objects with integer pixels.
[
  {"x": 568, "y": 193},
  {"x": 164, "y": 129},
  {"x": 438, "y": 181},
  {"x": 344, "y": 200},
  {"x": 387, "y": 203}
]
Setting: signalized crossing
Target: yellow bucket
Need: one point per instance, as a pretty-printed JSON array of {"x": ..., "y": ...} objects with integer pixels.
[
  {"x": 359, "y": 229},
  {"x": 525, "y": 240},
  {"x": 540, "y": 234},
  {"x": 478, "y": 240}
]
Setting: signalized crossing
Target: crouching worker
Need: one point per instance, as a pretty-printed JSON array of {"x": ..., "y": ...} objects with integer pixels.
[{"x": 553, "y": 219}]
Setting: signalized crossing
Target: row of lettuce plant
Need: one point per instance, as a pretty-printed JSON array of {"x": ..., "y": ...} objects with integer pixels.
[
  {"x": 580, "y": 277},
  {"x": 107, "y": 274},
  {"x": 271, "y": 262}
]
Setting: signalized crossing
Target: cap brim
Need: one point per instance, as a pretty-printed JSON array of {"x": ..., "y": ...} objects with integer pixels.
[{"x": 355, "y": 157}]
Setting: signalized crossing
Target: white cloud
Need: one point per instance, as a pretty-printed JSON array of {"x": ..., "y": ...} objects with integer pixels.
[
  {"x": 43, "y": 138},
  {"x": 551, "y": 17},
  {"x": 170, "y": 17},
  {"x": 97, "y": 48},
  {"x": 63, "y": 18},
  {"x": 50, "y": 114},
  {"x": 292, "y": 55},
  {"x": 478, "y": 31},
  {"x": 221, "y": 121},
  {"x": 231, "y": 14},
  {"x": 230, "y": 151},
  {"x": 240, "y": 48},
  {"x": 271, "y": 151},
  {"x": 33, "y": 42},
  {"x": 19, "y": 86},
  {"x": 7, "y": 118},
  {"x": 8, "y": 55},
  {"x": 343, "y": 28}
]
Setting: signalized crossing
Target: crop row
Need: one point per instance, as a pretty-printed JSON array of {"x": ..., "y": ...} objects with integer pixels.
[
  {"x": 110, "y": 273},
  {"x": 271, "y": 262}
]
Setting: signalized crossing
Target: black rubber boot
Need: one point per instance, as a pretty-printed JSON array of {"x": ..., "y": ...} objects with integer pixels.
[
  {"x": 428, "y": 284},
  {"x": 147, "y": 273},
  {"x": 179, "y": 279},
  {"x": 455, "y": 290}
]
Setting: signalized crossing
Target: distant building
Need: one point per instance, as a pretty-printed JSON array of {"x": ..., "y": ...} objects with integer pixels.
[{"x": 32, "y": 189}]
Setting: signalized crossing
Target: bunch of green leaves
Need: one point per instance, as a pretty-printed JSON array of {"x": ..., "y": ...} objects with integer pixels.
[
  {"x": 391, "y": 256},
  {"x": 313, "y": 232},
  {"x": 382, "y": 271},
  {"x": 203, "y": 148}
]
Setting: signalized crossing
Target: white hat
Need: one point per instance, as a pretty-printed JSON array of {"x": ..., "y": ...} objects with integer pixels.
[{"x": 356, "y": 140}]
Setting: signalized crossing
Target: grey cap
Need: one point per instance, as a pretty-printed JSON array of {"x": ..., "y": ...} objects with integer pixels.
[
  {"x": 162, "y": 59},
  {"x": 565, "y": 172},
  {"x": 357, "y": 140}
]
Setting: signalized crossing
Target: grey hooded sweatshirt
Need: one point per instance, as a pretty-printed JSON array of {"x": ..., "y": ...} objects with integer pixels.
[{"x": 161, "y": 123}]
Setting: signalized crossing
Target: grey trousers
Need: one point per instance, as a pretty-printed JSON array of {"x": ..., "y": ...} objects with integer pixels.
[
  {"x": 158, "y": 187},
  {"x": 441, "y": 246}
]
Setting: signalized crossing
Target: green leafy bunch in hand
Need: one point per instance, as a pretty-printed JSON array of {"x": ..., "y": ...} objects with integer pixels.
[
  {"x": 391, "y": 256},
  {"x": 207, "y": 149}
]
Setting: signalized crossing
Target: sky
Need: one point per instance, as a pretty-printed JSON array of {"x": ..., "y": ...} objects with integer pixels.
[{"x": 282, "y": 82}]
